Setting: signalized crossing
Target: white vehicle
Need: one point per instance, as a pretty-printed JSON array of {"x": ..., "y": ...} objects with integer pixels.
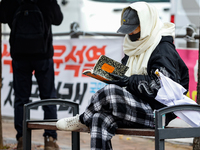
[
  {"x": 104, "y": 15},
  {"x": 99, "y": 15},
  {"x": 185, "y": 15}
]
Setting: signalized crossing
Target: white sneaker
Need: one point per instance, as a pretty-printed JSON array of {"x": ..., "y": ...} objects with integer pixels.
[{"x": 71, "y": 124}]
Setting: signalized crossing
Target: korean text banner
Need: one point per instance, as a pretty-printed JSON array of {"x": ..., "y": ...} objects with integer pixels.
[{"x": 71, "y": 58}]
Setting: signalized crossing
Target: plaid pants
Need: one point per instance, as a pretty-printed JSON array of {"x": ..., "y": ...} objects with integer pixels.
[{"x": 112, "y": 107}]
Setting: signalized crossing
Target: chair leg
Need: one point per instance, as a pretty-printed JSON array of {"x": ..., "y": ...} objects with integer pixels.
[
  {"x": 75, "y": 141},
  {"x": 27, "y": 139},
  {"x": 159, "y": 144}
]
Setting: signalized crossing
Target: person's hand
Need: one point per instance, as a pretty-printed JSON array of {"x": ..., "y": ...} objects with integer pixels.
[
  {"x": 119, "y": 80},
  {"x": 148, "y": 89}
]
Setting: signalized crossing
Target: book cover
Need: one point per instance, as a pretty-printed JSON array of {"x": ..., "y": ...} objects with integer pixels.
[{"x": 104, "y": 66}]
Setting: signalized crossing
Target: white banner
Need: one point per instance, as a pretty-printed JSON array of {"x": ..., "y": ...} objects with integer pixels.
[{"x": 71, "y": 58}]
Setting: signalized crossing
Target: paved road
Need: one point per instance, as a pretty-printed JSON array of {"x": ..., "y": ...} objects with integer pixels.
[{"x": 119, "y": 142}]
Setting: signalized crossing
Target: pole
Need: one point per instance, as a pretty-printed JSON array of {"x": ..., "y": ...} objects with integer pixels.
[
  {"x": 196, "y": 140},
  {"x": 1, "y": 135}
]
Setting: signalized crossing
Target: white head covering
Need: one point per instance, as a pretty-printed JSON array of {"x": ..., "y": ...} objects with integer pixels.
[{"x": 151, "y": 31}]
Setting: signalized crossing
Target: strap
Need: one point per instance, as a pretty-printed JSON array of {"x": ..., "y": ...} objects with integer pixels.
[
  {"x": 34, "y": 1},
  {"x": 21, "y": 1}
]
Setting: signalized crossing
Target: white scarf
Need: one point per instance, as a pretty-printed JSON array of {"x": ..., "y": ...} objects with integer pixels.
[{"x": 151, "y": 31}]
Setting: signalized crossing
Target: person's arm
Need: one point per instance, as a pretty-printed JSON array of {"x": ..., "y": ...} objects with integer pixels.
[
  {"x": 51, "y": 11},
  {"x": 2, "y": 14},
  {"x": 167, "y": 60},
  {"x": 7, "y": 10},
  {"x": 57, "y": 14}
]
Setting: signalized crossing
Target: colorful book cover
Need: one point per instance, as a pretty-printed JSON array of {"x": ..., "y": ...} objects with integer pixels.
[{"x": 104, "y": 66}]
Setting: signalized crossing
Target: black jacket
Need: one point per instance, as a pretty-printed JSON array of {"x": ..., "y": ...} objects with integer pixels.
[
  {"x": 52, "y": 16},
  {"x": 167, "y": 60}
]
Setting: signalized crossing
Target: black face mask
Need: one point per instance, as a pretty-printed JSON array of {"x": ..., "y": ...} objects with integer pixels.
[{"x": 134, "y": 37}]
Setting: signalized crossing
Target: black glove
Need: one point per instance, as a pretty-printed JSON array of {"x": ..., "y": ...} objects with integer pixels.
[
  {"x": 119, "y": 80},
  {"x": 148, "y": 89}
]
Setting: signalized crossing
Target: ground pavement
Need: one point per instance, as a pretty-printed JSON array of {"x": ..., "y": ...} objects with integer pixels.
[{"x": 119, "y": 142}]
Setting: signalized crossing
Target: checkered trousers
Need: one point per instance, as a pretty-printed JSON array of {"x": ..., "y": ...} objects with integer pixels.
[{"x": 111, "y": 106}]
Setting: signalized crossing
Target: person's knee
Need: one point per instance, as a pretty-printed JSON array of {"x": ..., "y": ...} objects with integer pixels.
[{"x": 102, "y": 120}]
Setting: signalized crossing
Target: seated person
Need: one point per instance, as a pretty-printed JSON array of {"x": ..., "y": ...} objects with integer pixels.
[{"x": 129, "y": 101}]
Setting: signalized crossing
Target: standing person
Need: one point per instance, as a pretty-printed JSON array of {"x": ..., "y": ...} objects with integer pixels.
[
  {"x": 148, "y": 45},
  {"x": 27, "y": 59}
]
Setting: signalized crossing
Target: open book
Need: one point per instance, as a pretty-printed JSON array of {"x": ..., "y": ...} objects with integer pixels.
[{"x": 104, "y": 66}]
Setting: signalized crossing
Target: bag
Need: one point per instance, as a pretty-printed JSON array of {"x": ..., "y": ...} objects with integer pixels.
[{"x": 27, "y": 31}]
